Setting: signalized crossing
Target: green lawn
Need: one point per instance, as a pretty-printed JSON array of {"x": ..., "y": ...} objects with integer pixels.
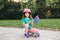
[{"x": 43, "y": 23}]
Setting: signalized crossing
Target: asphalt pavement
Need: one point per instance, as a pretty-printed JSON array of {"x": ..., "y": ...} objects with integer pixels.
[{"x": 7, "y": 33}]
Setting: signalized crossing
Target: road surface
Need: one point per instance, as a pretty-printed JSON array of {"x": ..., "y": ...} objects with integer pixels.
[{"x": 17, "y": 34}]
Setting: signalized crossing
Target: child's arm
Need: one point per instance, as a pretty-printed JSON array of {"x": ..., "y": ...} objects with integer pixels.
[
  {"x": 31, "y": 23},
  {"x": 23, "y": 24}
]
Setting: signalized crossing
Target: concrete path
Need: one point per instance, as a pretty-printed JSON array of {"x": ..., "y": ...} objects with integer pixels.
[{"x": 17, "y": 34}]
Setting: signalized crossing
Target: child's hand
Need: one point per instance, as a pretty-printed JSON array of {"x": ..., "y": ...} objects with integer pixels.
[{"x": 31, "y": 23}]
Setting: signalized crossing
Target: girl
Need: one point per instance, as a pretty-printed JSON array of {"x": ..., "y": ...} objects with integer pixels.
[{"x": 28, "y": 22}]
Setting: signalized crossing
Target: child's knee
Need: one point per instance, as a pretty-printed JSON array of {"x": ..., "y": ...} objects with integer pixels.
[{"x": 33, "y": 30}]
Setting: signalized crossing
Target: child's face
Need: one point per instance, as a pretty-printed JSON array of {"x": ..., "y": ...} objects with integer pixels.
[{"x": 27, "y": 15}]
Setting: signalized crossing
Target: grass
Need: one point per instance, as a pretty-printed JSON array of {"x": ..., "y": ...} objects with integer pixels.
[
  {"x": 43, "y": 23},
  {"x": 11, "y": 23},
  {"x": 49, "y": 23}
]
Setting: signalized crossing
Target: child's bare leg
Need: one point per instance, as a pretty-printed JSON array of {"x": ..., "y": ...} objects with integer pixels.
[
  {"x": 26, "y": 31},
  {"x": 33, "y": 30},
  {"x": 26, "y": 28}
]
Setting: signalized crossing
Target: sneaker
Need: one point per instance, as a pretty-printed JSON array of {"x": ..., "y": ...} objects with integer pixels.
[
  {"x": 36, "y": 35},
  {"x": 27, "y": 35}
]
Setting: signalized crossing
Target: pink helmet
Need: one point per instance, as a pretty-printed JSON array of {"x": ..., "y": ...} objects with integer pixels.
[{"x": 26, "y": 10}]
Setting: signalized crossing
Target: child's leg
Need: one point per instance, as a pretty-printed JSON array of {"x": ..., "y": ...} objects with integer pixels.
[
  {"x": 26, "y": 28},
  {"x": 26, "y": 31},
  {"x": 33, "y": 30}
]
